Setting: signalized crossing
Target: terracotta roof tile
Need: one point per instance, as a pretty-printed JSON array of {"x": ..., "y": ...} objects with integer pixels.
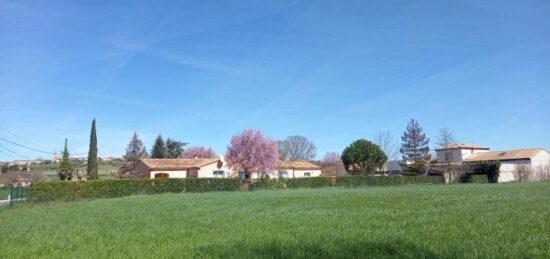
[
  {"x": 504, "y": 155},
  {"x": 297, "y": 165},
  {"x": 177, "y": 163}
]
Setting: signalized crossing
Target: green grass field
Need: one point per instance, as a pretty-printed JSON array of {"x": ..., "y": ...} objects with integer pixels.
[{"x": 467, "y": 220}]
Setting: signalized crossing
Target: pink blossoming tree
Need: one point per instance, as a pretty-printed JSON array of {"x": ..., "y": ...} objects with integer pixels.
[
  {"x": 251, "y": 152},
  {"x": 198, "y": 152}
]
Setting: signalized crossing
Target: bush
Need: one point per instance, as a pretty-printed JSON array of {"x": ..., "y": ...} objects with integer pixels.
[
  {"x": 359, "y": 181},
  {"x": 489, "y": 168},
  {"x": 71, "y": 191}
]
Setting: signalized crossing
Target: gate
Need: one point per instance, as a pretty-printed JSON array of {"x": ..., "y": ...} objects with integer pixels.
[{"x": 18, "y": 194}]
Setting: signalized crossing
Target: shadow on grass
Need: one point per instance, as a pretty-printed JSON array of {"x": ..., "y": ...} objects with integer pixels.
[{"x": 344, "y": 249}]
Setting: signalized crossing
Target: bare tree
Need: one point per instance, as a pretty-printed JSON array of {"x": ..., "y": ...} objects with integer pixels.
[
  {"x": 332, "y": 165},
  {"x": 331, "y": 157},
  {"x": 522, "y": 172},
  {"x": 445, "y": 138},
  {"x": 297, "y": 148},
  {"x": 388, "y": 144}
]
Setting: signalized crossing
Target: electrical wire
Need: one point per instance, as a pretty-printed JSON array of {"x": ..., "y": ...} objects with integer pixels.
[{"x": 23, "y": 146}]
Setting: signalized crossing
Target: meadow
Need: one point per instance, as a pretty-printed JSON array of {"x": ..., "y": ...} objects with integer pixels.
[{"x": 445, "y": 221}]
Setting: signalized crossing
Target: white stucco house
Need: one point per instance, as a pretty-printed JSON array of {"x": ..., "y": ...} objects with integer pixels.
[
  {"x": 217, "y": 168},
  {"x": 536, "y": 160},
  {"x": 291, "y": 169},
  {"x": 183, "y": 168}
]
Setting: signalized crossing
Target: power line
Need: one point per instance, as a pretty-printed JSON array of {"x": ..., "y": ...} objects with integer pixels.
[
  {"x": 1, "y": 151},
  {"x": 22, "y": 138},
  {"x": 23, "y": 146},
  {"x": 13, "y": 152}
]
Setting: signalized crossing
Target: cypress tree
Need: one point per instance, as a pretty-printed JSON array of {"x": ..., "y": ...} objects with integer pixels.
[
  {"x": 92, "y": 155},
  {"x": 65, "y": 170},
  {"x": 159, "y": 149}
]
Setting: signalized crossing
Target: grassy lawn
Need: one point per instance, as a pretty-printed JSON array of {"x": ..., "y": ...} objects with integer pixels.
[{"x": 468, "y": 220}]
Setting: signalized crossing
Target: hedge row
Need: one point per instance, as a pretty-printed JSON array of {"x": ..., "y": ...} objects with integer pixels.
[
  {"x": 344, "y": 181},
  {"x": 310, "y": 182},
  {"x": 474, "y": 179},
  {"x": 70, "y": 191},
  {"x": 357, "y": 181}
]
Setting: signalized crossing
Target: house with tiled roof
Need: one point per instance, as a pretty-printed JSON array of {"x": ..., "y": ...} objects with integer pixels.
[
  {"x": 292, "y": 169},
  {"x": 535, "y": 160},
  {"x": 183, "y": 168},
  {"x": 217, "y": 168}
]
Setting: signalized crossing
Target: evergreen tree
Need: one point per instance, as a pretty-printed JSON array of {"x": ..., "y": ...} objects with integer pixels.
[
  {"x": 92, "y": 155},
  {"x": 174, "y": 148},
  {"x": 159, "y": 149},
  {"x": 135, "y": 150},
  {"x": 415, "y": 148},
  {"x": 363, "y": 157},
  {"x": 65, "y": 170}
]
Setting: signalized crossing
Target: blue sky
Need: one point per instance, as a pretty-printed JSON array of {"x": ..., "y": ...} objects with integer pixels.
[{"x": 333, "y": 71}]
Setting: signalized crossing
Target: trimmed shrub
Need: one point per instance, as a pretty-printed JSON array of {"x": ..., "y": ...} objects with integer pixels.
[
  {"x": 359, "y": 181},
  {"x": 308, "y": 182},
  {"x": 489, "y": 168},
  {"x": 267, "y": 184},
  {"x": 71, "y": 191}
]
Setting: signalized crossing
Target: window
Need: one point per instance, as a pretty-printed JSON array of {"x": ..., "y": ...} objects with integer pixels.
[
  {"x": 161, "y": 175},
  {"x": 218, "y": 174},
  {"x": 307, "y": 174},
  {"x": 283, "y": 174}
]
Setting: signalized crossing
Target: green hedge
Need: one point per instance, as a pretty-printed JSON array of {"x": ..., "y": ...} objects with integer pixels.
[
  {"x": 358, "y": 181},
  {"x": 71, "y": 191},
  {"x": 309, "y": 182}
]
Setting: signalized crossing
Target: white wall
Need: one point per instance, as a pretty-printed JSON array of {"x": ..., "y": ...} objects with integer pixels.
[
  {"x": 457, "y": 154},
  {"x": 541, "y": 166},
  {"x": 291, "y": 173},
  {"x": 208, "y": 170}
]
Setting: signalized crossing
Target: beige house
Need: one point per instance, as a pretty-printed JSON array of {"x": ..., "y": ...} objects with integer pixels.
[
  {"x": 530, "y": 164},
  {"x": 292, "y": 169},
  {"x": 183, "y": 168},
  {"x": 217, "y": 168}
]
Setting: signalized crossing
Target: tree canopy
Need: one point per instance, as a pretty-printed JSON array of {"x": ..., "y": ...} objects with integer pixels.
[
  {"x": 297, "y": 148},
  {"x": 159, "y": 148},
  {"x": 91, "y": 168},
  {"x": 174, "y": 148},
  {"x": 363, "y": 157},
  {"x": 251, "y": 152},
  {"x": 65, "y": 170},
  {"x": 135, "y": 150},
  {"x": 198, "y": 152}
]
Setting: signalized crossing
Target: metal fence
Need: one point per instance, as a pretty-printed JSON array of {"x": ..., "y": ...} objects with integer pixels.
[{"x": 18, "y": 194}]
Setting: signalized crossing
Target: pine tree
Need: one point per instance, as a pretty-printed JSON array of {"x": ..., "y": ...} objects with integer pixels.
[
  {"x": 159, "y": 149},
  {"x": 415, "y": 148},
  {"x": 92, "y": 155},
  {"x": 135, "y": 150},
  {"x": 174, "y": 148},
  {"x": 65, "y": 170}
]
